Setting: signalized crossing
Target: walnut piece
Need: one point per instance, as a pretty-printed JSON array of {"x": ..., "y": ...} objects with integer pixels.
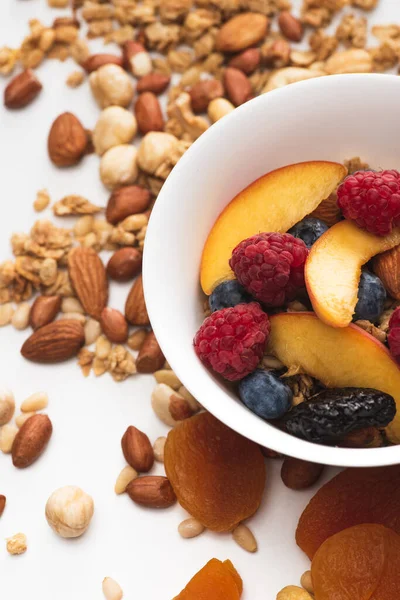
[
  {"x": 193, "y": 125},
  {"x": 8, "y": 60},
  {"x": 352, "y": 31}
]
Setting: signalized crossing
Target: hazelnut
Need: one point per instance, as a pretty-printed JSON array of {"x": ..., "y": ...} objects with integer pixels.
[
  {"x": 69, "y": 511},
  {"x": 7, "y": 406},
  {"x": 67, "y": 141},
  {"x": 118, "y": 166},
  {"x": 155, "y": 148},
  {"x": 111, "y": 85},
  {"x": 115, "y": 126}
]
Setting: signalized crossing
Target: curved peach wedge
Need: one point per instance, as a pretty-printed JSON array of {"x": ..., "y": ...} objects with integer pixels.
[
  {"x": 338, "y": 357},
  {"x": 333, "y": 269},
  {"x": 215, "y": 581},
  {"x": 274, "y": 202}
]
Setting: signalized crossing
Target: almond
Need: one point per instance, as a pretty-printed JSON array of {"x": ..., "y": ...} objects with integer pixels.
[
  {"x": 238, "y": 86},
  {"x": 126, "y": 201},
  {"x": 114, "y": 325},
  {"x": 22, "y": 90},
  {"x": 242, "y": 31},
  {"x": 203, "y": 92},
  {"x": 67, "y": 141},
  {"x": 247, "y": 61},
  {"x": 31, "y": 440},
  {"x": 328, "y": 211},
  {"x": 299, "y": 474},
  {"x": 54, "y": 342},
  {"x": 2, "y": 503},
  {"x": 290, "y": 26},
  {"x": 135, "y": 305},
  {"x": 124, "y": 264},
  {"x": 95, "y": 61},
  {"x": 137, "y": 450},
  {"x": 152, "y": 491},
  {"x": 148, "y": 113},
  {"x": 150, "y": 358},
  {"x": 387, "y": 267},
  {"x": 153, "y": 82},
  {"x": 89, "y": 279},
  {"x": 44, "y": 310}
]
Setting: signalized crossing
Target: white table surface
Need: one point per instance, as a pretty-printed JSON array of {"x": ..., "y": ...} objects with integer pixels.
[{"x": 140, "y": 548}]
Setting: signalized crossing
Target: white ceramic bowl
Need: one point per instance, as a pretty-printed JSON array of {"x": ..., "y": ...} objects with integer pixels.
[{"x": 329, "y": 118}]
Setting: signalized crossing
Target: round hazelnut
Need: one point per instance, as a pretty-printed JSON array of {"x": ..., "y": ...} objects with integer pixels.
[
  {"x": 118, "y": 166},
  {"x": 115, "y": 126},
  {"x": 7, "y": 406},
  {"x": 111, "y": 85},
  {"x": 69, "y": 511},
  {"x": 154, "y": 149}
]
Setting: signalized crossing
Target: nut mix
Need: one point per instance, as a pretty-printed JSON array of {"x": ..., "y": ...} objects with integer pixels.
[{"x": 224, "y": 54}]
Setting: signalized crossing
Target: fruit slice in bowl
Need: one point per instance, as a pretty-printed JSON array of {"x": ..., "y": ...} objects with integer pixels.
[
  {"x": 274, "y": 202},
  {"x": 333, "y": 269}
]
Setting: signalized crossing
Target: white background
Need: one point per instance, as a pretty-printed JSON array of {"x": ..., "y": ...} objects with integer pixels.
[{"x": 140, "y": 548}]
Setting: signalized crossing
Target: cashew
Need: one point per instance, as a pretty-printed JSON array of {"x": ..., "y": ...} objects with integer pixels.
[{"x": 288, "y": 75}]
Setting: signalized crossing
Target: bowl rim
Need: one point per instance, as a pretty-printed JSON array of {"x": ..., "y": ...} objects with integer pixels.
[{"x": 302, "y": 449}]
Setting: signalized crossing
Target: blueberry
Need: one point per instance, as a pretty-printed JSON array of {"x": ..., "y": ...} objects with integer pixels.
[
  {"x": 371, "y": 298},
  {"x": 228, "y": 293},
  {"x": 309, "y": 230},
  {"x": 265, "y": 394}
]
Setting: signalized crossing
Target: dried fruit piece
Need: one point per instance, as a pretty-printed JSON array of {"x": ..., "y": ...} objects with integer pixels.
[
  {"x": 353, "y": 497},
  {"x": 88, "y": 276},
  {"x": 359, "y": 562},
  {"x": 217, "y": 475},
  {"x": 215, "y": 581}
]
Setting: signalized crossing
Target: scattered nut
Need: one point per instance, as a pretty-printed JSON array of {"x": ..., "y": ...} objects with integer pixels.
[
  {"x": 158, "y": 449},
  {"x": 69, "y": 511},
  {"x": 20, "y": 318},
  {"x": 152, "y": 492},
  {"x": 245, "y": 538},
  {"x": 306, "y": 582},
  {"x": 42, "y": 200},
  {"x": 2, "y": 504},
  {"x": 136, "y": 59},
  {"x": 114, "y": 127},
  {"x": 154, "y": 150},
  {"x": 137, "y": 449},
  {"x": 292, "y": 592},
  {"x": 118, "y": 166},
  {"x": 75, "y": 79},
  {"x": 111, "y": 86},
  {"x": 37, "y": 401},
  {"x": 111, "y": 589},
  {"x": 17, "y": 544},
  {"x": 22, "y": 90},
  {"x": 71, "y": 305},
  {"x": 136, "y": 339},
  {"x": 67, "y": 141},
  {"x": 7, "y": 406},
  {"x": 7, "y": 436},
  {"x": 190, "y": 528},
  {"x": 6, "y": 314},
  {"x": 22, "y": 418},
  {"x": 92, "y": 329},
  {"x": 300, "y": 474},
  {"x": 218, "y": 108},
  {"x": 167, "y": 376},
  {"x": 127, "y": 475}
]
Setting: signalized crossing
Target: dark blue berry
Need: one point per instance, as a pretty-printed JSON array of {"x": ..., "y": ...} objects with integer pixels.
[
  {"x": 309, "y": 230},
  {"x": 228, "y": 293},
  {"x": 265, "y": 394},
  {"x": 371, "y": 298}
]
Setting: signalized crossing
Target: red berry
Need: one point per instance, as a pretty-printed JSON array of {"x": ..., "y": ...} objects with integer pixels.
[
  {"x": 371, "y": 199},
  {"x": 394, "y": 335},
  {"x": 270, "y": 266},
  {"x": 231, "y": 341}
]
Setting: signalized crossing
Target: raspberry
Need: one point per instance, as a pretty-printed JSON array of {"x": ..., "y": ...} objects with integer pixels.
[
  {"x": 394, "y": 335},
  {"x": 371, "y": 199},
  {"x": 270, "y": 266},
  {"x": 231, "y": 341}
]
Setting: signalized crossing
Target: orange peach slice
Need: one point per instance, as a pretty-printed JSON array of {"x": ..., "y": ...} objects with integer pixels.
[
  {"x": 346, "y": 357},
  {"x": 333, "y": 269},
  {"x": 274, "y": 202}
]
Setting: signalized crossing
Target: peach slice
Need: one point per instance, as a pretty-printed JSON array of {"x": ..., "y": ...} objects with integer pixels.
[
  {"x": 345, "y": 357},
  {"x": 333, "y": 269},
  {"x": 274, "y": 202}
]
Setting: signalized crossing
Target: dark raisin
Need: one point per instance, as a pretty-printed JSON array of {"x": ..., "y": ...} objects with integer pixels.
[{"x": 335, "y": 412}]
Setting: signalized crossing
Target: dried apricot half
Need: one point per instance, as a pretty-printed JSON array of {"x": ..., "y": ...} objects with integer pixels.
[
  {"x": 353, "y": 497},
  {"x": 217, "y": 475},
  {"x": 359, "y": 563},
  {"x": 215, "y": 581}
]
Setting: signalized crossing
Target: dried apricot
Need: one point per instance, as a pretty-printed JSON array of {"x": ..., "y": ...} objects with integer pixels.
[
  {"x": 353, "y": 497},
  {"x": 217, "y": 475},
  {"x": 359, "y": 563},
  {"x": 216, "y": 581}
]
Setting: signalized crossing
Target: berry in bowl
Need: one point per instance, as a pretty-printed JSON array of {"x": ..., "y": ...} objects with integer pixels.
[{"x": 296, "y": 254}]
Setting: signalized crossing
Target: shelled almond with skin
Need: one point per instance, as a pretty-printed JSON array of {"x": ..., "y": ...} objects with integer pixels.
[
  {"x": 153, "y": 82},
  {"x": 247, "y": 61},
  {"x": 203, "y": 92},
  {"x": 31, "y": 440},
  {"x": 299, "y": 474},
  {"x": 124, "y": 264},
  {"x": 54, "y": 342},
  {"x": 151, "y": 491},
  {"x": 237, "y": 85},
  {"x": 68, "y": 140},
  {"x": 126, "y": 201},
  {"x": 114, "y": 325},
  {"x": 137, "y": 449},
  {"x": 150, "y": 358},
  {"x": 387, "y": 267},
  {"x": 137, "y": 59},
  {"x": 95, "y": 61},
  {"x": 328, "y": 211},
  {"x": 89, "y": 280},
  {"x": 22, "y": 90},
  {"x": 148, "y": 113},
  {"x": 242, "y": 31},
  {"x": 135, "y": 306},
  {"x": 290, "y": 26},
  {"x": 3, "y": 501}
]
